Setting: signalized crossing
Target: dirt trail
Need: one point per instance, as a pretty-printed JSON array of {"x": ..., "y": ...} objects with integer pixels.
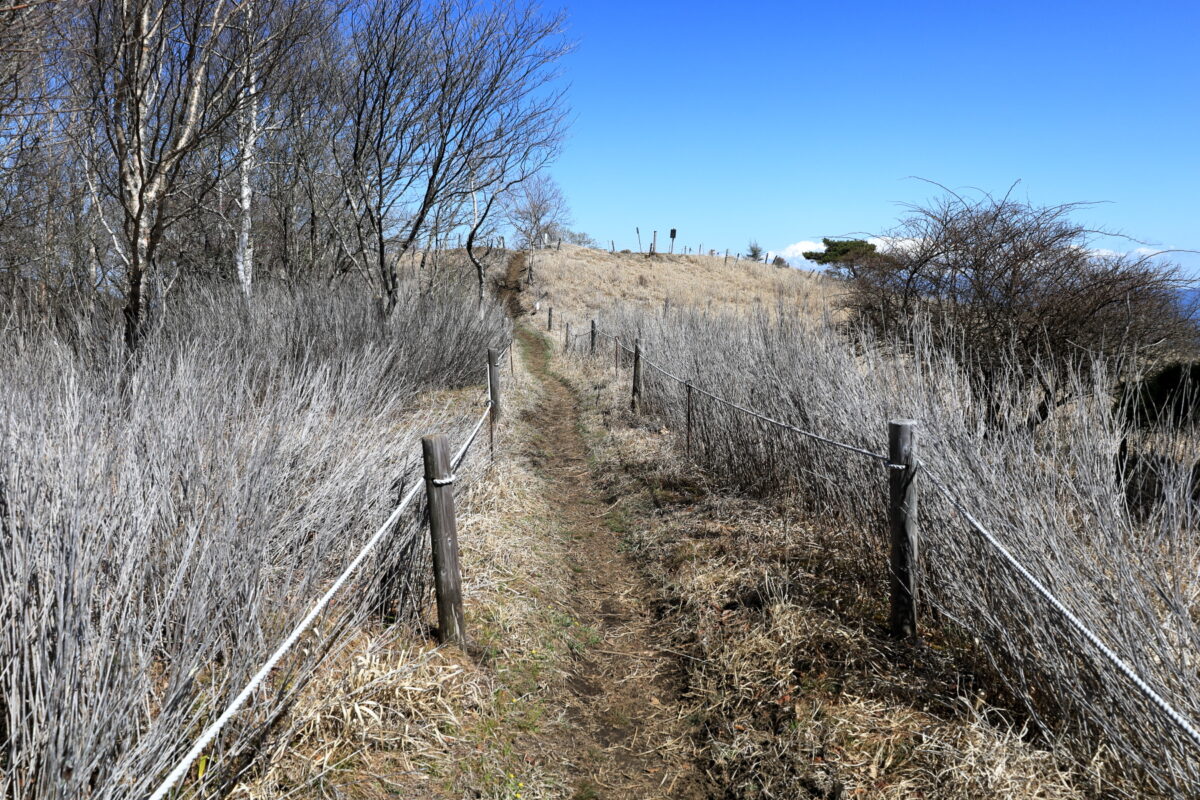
[{"x": 626, "y": 734}]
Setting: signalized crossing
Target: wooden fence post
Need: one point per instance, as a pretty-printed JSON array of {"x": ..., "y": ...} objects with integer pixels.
[
  {"x": 616, "y": 356},
  {"x": 689, "y": 418},
  {"x": 494, "y": 396},
  {"x": 902, "y": 527},
  {"x": 593, "y": 348},
  {"x": 550, "y": 318},
  {"x": 443, "y": 535},
  {"x": 567, "y": 338},
  {"x": 635, "y": 399}
]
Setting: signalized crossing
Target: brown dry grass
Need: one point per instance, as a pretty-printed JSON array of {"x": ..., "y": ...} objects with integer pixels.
[
  {"x": 581, "y": 281},
  {"x": 796, "y": 686},
  {"x": 395, "y": 716}
]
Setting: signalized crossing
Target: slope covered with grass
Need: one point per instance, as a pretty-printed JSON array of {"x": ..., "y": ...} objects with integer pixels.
[{"x": 165, "y": 520}]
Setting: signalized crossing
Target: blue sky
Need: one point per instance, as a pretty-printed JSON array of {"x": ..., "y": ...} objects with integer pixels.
[{"x": 786, "y": 122}]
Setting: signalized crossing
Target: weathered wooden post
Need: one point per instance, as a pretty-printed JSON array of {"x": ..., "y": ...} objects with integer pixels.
[
  {"x": 494, "y": 396},
  {"x": 654, "y": 244},
  {"x": 689, "y": 418},
  {"x": 550, "y": 318},
  {"x": 636, "y": 398},
  {"x": 567, "y": 338},
  {"x": 902, "y": 527},
  {"x": 616, "y": 356},
  {"x": 443, "y": 535},
  {"x": 592, "y": 351}
]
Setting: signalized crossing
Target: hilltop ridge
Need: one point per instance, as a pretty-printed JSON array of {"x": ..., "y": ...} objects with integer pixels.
[{"x": 583, "y": 279}]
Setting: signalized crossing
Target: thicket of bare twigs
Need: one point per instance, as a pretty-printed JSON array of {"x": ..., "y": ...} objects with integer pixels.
[
  {"x": 164, "y": 522},
  {"x": 1051, "y": 494},
  {"x": 1016, "y": 283}
]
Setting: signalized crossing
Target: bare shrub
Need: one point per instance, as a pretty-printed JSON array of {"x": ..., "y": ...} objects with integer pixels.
[
  {"x": 1013, "y": 285},
  {"x": 164, "y": 524}
]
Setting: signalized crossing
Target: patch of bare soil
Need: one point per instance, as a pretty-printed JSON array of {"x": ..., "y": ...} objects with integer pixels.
[
  {"x": 627, "y": 734},
  {"x": 510, "y": 284}
]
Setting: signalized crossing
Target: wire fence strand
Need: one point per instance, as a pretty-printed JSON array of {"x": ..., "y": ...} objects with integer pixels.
[
  {"x": 814, "y": 436},
  {"x": 1174, "y": 716}
]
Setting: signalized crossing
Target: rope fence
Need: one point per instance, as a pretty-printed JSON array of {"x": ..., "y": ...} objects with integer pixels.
[
  {"x": 435, "y": 486},
  {"x": 904, "y": 468}
]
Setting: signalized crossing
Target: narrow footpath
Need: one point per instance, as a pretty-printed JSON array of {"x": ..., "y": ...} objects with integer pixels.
[{"x": 626, "y": 735}]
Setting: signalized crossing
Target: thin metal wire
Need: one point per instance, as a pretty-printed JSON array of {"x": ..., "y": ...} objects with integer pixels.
[
  {"x": 815, "y": 436},
  {"x": 210, "y": 733},
  {"x": 1154, "y": 697}
]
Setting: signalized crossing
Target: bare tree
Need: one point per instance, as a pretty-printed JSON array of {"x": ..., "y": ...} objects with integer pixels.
[
  {"x": 143, "y": 139},
  {"x": 1018, "y": 284},
  {"x": 535, "y": 209},
  {"x": 449, "y": 103},
  {"x": 161, "y": 80}
]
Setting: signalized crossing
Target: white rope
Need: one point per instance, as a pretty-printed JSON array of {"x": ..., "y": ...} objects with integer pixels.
[
  {"x": 1154, "y": 697},
  {"x": 212, "y": 730},
  {"x": 462, "y": 451},
  {"x": 210, "y": 733}
]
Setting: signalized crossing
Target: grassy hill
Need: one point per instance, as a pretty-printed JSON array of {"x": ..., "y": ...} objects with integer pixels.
[{"x": 582, "y": 280}]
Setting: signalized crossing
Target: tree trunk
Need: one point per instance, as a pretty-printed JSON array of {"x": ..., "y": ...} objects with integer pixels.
[{"x": 248, "y": 144}]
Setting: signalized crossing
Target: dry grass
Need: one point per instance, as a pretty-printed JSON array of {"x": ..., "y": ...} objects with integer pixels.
[
  {"x": 798, "y": 690},
  {"x": 165, "y": 523},
  {"x": 581, "y": 282},
  {"x": 394, "y": 718}
]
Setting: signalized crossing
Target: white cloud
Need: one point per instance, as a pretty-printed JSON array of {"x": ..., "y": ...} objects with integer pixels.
[
  {"x": 886, "y": 243},
  {"x": 798, "y": 249}
]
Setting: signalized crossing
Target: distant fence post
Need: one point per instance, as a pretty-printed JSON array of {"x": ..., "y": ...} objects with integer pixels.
[
  {"x": 493, "y": 395},
  {"x": 550, "y": 318},
  {"x": 689, "y": 418},
  {"x": 636, "y": 398},
  {"x": 593, "y": 348},
  {"x": 616, "y": 356},
  {"x": 443, "y": 535},
  {"x": 902, "y": 527},
  {"x": 567, "y": 338}
]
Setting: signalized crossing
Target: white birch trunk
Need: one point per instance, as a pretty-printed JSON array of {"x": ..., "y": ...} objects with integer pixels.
[{"x": 248, "y": 133}]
